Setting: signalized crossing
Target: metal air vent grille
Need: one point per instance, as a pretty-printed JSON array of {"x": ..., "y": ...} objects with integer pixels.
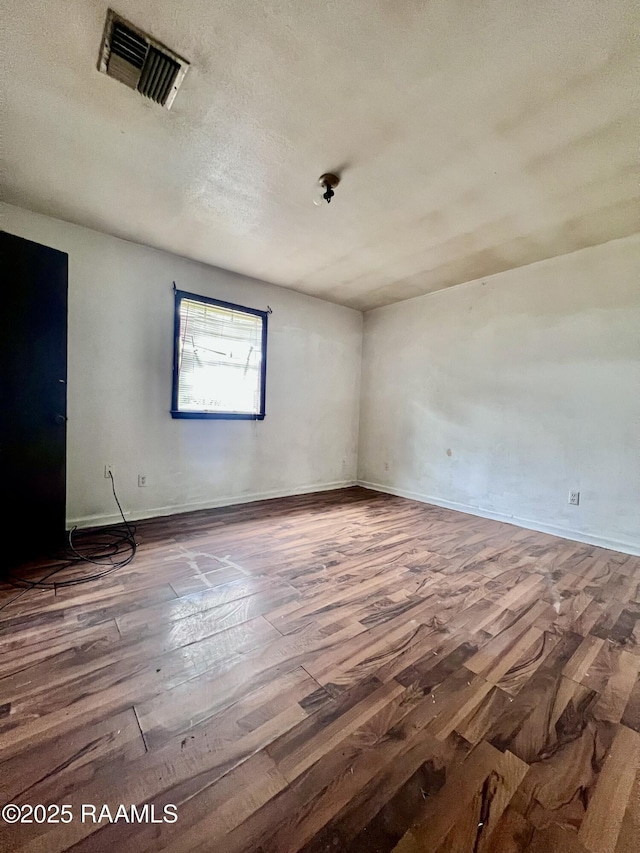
[{"x": 141, "y": 63}]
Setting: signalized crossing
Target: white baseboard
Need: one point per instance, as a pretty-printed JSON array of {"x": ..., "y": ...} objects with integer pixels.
[
  {"x": 574, "y": 535},
  {"x": 137, "y": 515},
  {"x": 528, "y": 524}
]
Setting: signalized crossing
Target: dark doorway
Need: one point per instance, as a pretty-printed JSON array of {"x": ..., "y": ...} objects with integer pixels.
[{"x": 33, "y": 399}]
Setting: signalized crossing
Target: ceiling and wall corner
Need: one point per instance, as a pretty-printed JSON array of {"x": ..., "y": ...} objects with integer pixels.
[{"x": 471, "y": 137}]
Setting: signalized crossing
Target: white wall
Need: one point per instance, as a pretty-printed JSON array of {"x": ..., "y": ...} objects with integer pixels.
[
  {"x": 120, "y": 367},
  {"x": 496, "y": 397},
  {"x": 499, "y": 396}
]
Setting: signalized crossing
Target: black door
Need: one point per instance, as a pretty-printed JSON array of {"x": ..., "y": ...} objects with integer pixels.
[{"x": 33, "y": 397}]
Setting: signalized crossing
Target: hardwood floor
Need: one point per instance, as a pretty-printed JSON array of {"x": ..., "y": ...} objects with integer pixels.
[{"x": 346, "y": 671}]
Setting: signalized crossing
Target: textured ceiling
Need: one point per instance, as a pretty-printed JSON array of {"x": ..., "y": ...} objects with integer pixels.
[{"x": 472, "y": 136}]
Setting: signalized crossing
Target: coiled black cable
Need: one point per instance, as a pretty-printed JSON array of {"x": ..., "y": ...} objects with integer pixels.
[{"x": 112, "y": 547}]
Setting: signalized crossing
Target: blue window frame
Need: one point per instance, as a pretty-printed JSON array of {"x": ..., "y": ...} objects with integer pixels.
[{"x": 219, "y": 359}]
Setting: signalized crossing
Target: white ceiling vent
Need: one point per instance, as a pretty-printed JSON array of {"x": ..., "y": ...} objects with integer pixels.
[{"x": 135, "y": 59}]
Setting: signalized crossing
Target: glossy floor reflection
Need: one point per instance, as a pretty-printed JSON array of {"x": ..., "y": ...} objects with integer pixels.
[{"x": 346, "y": 671}]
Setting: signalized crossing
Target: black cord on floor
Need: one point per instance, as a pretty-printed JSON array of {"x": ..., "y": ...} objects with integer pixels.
[{"x": 111, "y": 547}]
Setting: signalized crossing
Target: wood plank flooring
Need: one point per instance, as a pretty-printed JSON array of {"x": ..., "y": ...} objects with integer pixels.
[{"x": 346, "y": 671}]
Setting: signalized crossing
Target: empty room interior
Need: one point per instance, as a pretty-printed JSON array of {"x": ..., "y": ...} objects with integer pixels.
[{"x": 321, "y": 426}]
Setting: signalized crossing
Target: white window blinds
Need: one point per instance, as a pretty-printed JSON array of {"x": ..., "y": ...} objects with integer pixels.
[{"x": 219, "y": 359}]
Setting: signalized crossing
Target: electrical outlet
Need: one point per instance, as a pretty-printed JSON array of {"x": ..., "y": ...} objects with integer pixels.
[
  {"x": 142, "y": 480},
  {"x": 108, "y": 470},
  {"x": 574, "y": 498}
]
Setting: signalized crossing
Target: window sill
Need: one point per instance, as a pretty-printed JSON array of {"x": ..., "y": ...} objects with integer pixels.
[{"x": 224, "y": 416}]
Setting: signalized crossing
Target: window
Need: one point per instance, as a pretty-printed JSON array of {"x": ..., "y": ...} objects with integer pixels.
[{"x": 219, "y": 359}]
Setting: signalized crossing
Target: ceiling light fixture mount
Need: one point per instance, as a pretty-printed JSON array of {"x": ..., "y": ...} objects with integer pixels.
[{"x": 328, "y": 182}]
